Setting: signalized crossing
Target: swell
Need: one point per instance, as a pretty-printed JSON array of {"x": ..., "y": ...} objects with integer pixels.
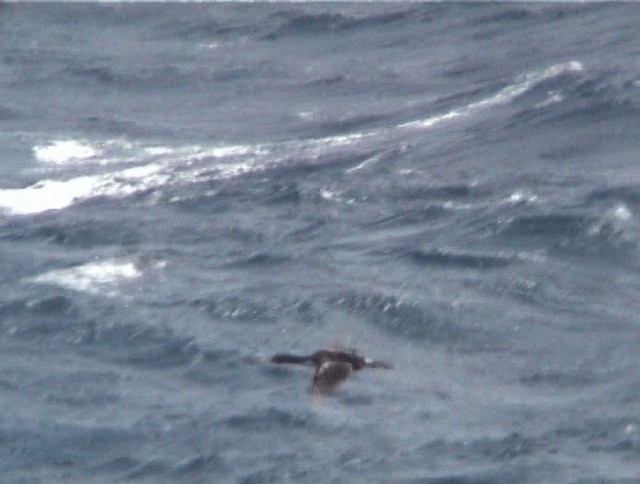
[
  {"x": 553, "y": 225},
  {"x": 8, "y": 114},
  {"x": 152, "y": 77},
  {"x": 438, "y": 192},
  {"x": 303, "y": 24},
  {"x": 86, "y": 328},
  {"x": 628, "y": 194},
  {"x": 254, "y": 309},
  {"x": 402, "y": 317},
  {"x": 571, "y": 99},
  {"x": 79, "y": 233},
  {"x": 462, "y": 260},
  {"x": 600, "y": 230},
  {"x": 272, "y": 419},
  {"x": 413, "y": 216},
  {"x": 38, "y": 317},
  {"x": 524, "y": 15}
]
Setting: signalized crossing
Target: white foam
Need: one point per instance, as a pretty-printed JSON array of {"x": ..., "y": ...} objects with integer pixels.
[
  {"x": 155, "y": 166},
  {"x": 432, "y": 121},
  {"x": 615, "y": 220},
  {"x": 504, "y": 96},
  {"x": 94, "y": 277},
  {"x": 554, "y": 97},
  {"x": 622, "y": 212},
  {"x": 64, "y": 151},
  {"x": 316, "y": 146},
  {"x": 210, "y": 45},
  {"x": 327, "y": 194},
  {"x": 45, "y": 195},
  {"x": 369, "y": 161},
  {"x": 233, "y": 150},
  {"x": 139, "y": 172},
  {"x": 306, "y": 115},
  {"x": 158, "y": 150},
  {"x": 519, "y": 197},
  {"x": 58, "y": 194}
]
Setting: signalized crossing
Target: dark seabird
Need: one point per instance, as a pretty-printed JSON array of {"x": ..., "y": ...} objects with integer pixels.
[{"x": 332, "y": 367}]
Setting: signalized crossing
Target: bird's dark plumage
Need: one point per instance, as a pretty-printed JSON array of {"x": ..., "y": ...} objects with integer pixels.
[{"x": 332, "y": 367}]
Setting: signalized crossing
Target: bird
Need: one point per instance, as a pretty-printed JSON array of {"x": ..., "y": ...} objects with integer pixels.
[{"x": 332, "y": 366}]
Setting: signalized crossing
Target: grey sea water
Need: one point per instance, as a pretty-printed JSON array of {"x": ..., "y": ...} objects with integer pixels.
[{"x": 187, "y": 189}]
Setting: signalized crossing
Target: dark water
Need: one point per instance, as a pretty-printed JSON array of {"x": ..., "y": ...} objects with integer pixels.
[{"x": 189, "y": 189}]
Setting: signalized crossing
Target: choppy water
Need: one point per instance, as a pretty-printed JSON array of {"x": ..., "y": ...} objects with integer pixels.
[{"x": 189, "y": 189}]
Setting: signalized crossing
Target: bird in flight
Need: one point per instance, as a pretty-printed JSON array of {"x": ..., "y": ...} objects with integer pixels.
[{"x": 332, "y": 367}]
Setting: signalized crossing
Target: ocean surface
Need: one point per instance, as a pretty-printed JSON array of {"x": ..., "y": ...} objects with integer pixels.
[{"x": 187, "y": 189}]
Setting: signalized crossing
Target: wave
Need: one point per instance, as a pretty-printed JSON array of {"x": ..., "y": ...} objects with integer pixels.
[
  {"x": 259, "y": 420},
  {"x": 141, "y": 78},
  {"x": 83, "y": 233},
  {"x": 249, "y": 309},
  {"x": 512, "y": 14},
  {"x": 410, "y": 217},
  {"x": 304, "y": 24},
  {"x": 203, "y": 28},
  {"x": 101, "y": 277},
  {"x": 400, "y": 316},
  {"x": 447, "y": 259},
  {"x": 545, "y": 225},
  {"x": 350, "y": 123},
  {"x": 498, "y": 449},
  {"x": 608, "y": 230},
  {"x": 260, "y": 259},
  {"x": 194, "y": 467},
  {"x": 156, "y": 167},
  {"x": 507, "y": 94},
  {"x": 627, "y": 194},
  {"x": 438, "y": 192},
  {"x": 564, "y": 102},
  {"x": 8, "y": 114},
  {"x": 236, "y": 309},
  {"x": 44, "y": 314},
  {"x": 64, "y": 151},
  {"x": 96, "y": 389},
  {"x": 560, "y": 379},
  {"x": 153, "y": 349},
  {"x": 205, "y": 367},
  {"x": 528, "y": 13},
  {"x": 58, "y": 194}
]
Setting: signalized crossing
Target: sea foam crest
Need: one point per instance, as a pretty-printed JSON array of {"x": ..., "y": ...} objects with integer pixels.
[
  {"x": 504, "y": 96},
  {"x": 58, "y": 194},
  {"x": 156, "y": 166},
  {"x": 100, "y": 277},
  {"x": 94, "y": 277},
  {"x": 64, "y": 151},
  {"x": 159, "y": 166}
]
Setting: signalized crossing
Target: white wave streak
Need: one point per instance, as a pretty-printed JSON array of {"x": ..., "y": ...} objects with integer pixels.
[
  {"x": 503, "y": 96},
  {"x": 94, "y": 277}
]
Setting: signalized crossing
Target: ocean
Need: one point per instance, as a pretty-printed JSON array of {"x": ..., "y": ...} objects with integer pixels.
[{"x": 189, "y": 189}]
